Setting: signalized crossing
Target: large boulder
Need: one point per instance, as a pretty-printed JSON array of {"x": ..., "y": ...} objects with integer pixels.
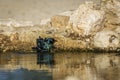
[
  {"x": 109, "y": 37},
  {"x": 113, "y": 12},
  {"x": 106, "y": 39},
  {"x": 87, "y": 19}
]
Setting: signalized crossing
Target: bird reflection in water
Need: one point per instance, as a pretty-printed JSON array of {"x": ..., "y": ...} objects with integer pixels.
[{"x": 45, "y": 58}]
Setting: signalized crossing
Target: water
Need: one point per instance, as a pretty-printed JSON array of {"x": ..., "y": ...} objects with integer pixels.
[{"x": 68, "y": 66}]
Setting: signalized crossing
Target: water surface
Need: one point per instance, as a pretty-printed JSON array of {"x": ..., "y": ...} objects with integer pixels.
[{"x": 68, "y": 66}]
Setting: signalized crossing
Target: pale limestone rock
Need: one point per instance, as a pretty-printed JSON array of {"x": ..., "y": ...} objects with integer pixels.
[
  {"x": 117, "y": 30},
  {"x": 11, "y": 22},
  {"x": 113, "y": 11},
  {"x": 67, "y": 13},
  {"x": 87, "y": 19},
  {"x": 14, "y": 36},
  {"x": 59, "y": 21},
  {"x": 106, "y": 39},
  {"x": 45, "y": 21}
]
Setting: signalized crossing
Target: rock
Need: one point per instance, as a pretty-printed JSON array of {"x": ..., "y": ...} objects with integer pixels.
[
  {"x": 45, "y": 21},
  {"x": 67, "y": 13},
  {"x": 87, "y": 19},
  {"x": 113, "y": 12},
  {"x": 14, "y": 37},
  {"x": 106, "y": 39},
  {"x": 59, "y": 21},
  {"x": 80, "y": 28}
]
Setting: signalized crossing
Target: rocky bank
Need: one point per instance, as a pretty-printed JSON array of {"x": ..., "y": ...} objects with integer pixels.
[{"x": 91, "y": 26}]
